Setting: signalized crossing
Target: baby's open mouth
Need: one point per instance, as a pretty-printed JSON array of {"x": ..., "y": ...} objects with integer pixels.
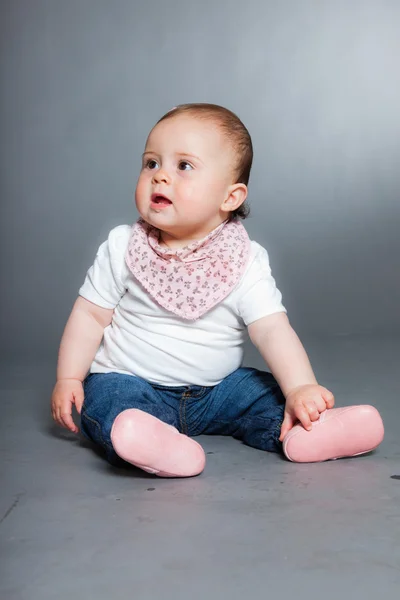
[{"x": 159, "y": 199}]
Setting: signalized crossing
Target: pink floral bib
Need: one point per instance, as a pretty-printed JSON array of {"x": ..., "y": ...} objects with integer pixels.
[{"x": 189, "y": 281}]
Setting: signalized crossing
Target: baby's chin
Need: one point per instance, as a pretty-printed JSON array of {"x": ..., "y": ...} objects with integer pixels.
[{"x": 156, "y": 219}]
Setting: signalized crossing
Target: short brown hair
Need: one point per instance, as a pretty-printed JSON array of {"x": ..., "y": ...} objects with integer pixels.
[{"x": 237, "y": 134}]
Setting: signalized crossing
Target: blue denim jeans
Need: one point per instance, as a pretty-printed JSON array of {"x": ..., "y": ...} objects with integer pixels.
[{"x": 247, "y": 405}]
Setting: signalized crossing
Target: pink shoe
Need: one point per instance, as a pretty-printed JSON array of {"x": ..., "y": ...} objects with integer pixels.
[
  {"x": 154, "y": 446},
  {"x": 339, "y": 432}
]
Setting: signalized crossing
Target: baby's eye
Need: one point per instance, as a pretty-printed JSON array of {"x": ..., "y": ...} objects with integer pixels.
[
  {"x": 151, "y": 163},
  {"x": 184, "y": 166}
]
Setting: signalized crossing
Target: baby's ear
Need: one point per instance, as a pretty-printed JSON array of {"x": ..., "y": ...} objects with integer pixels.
[{"x": 237, "y": 194}]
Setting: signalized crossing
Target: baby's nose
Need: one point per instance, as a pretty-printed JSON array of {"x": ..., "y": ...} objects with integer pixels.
[{"x": 161, "y": 176}]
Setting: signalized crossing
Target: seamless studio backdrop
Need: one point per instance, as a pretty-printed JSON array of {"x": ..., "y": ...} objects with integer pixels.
[{"x": 317, "y": 84}]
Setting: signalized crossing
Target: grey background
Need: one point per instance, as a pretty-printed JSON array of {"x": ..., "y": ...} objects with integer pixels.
[
  {"x": 316, "y": 82},
  {"x": 318, "y": 85}
]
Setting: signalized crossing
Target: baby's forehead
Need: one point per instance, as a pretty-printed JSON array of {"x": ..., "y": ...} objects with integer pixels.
[
  {"x": 192, "y": 130},
  {"x": 188, "y": 123}
]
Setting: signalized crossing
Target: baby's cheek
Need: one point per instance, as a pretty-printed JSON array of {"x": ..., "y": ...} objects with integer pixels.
[
  {"x": 141, "y": 188},
  {"x": 189, "y": 193}
]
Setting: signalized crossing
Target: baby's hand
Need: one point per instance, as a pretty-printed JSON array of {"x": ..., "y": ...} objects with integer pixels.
[
  {"x": 66, "y": 393},
  {"x": 305, "y": 404}
]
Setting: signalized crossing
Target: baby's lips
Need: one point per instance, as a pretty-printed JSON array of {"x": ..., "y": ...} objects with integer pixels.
[{"x": 155, "y": 196}]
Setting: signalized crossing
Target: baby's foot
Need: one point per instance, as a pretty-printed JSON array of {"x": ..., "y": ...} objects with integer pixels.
[
  {"x": 338, "y": 433},
  {"x": 154, "y": 446}
]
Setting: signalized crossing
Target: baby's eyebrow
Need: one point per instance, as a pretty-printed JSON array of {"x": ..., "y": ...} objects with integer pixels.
[{"x": 186, "y": 154}]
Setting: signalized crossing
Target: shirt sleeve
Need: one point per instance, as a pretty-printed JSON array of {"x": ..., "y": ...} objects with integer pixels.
[
  {"x": 104, "y": 284},
  {"x": 259, "y": 296}
]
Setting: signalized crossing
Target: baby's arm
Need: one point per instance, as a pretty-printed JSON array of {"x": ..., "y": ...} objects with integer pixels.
[
  {"x": 285, "y": 355},
  {"x": 80, "y": 341}
]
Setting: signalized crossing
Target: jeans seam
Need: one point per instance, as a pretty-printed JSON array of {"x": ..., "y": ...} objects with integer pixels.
[
  {"x": 182, "y": 410},
  {"x": 187, "y": 396},
  {"x": 203, "y": 389},
  {"x": 166, "y": 388},
  {"x": 200, "y": 392},
  {"x": 248, "y": 420},
  {"x": 98, "y": 427}
]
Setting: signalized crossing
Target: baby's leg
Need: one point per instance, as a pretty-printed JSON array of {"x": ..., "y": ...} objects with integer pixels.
[
  {"x": 339, "y": 433},
  {"x": 249, "y": 405},
  {"x": 129, "y": 419}
]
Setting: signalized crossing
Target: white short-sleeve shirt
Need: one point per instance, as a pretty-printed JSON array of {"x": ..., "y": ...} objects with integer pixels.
[{"x": 148, "y": 341}]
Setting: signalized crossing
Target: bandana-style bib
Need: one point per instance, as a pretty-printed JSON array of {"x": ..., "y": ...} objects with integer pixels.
[{"x": 189, "y": 281}]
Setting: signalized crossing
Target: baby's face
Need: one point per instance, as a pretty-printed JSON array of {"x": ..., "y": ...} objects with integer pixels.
[{"x": 187, "y": 171}]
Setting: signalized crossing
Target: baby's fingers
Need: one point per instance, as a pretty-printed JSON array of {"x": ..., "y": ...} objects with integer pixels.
[
  {"x": 303, "y": 416},
  {"x": 328, "y": 397},
  {"x": 79, "y": 397},
  {"x": 65, "y": 420},
  {"x": 314, "y": 409},
  {"x": 287, "y": 425},
  {"x": 61, "y": 409}
]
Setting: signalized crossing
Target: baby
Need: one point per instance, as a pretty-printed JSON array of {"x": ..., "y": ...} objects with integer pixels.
[{"x": 162, "y": 317}]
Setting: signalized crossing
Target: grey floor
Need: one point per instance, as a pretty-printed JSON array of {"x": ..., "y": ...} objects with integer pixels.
[{"x": 252, "y": 525}]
